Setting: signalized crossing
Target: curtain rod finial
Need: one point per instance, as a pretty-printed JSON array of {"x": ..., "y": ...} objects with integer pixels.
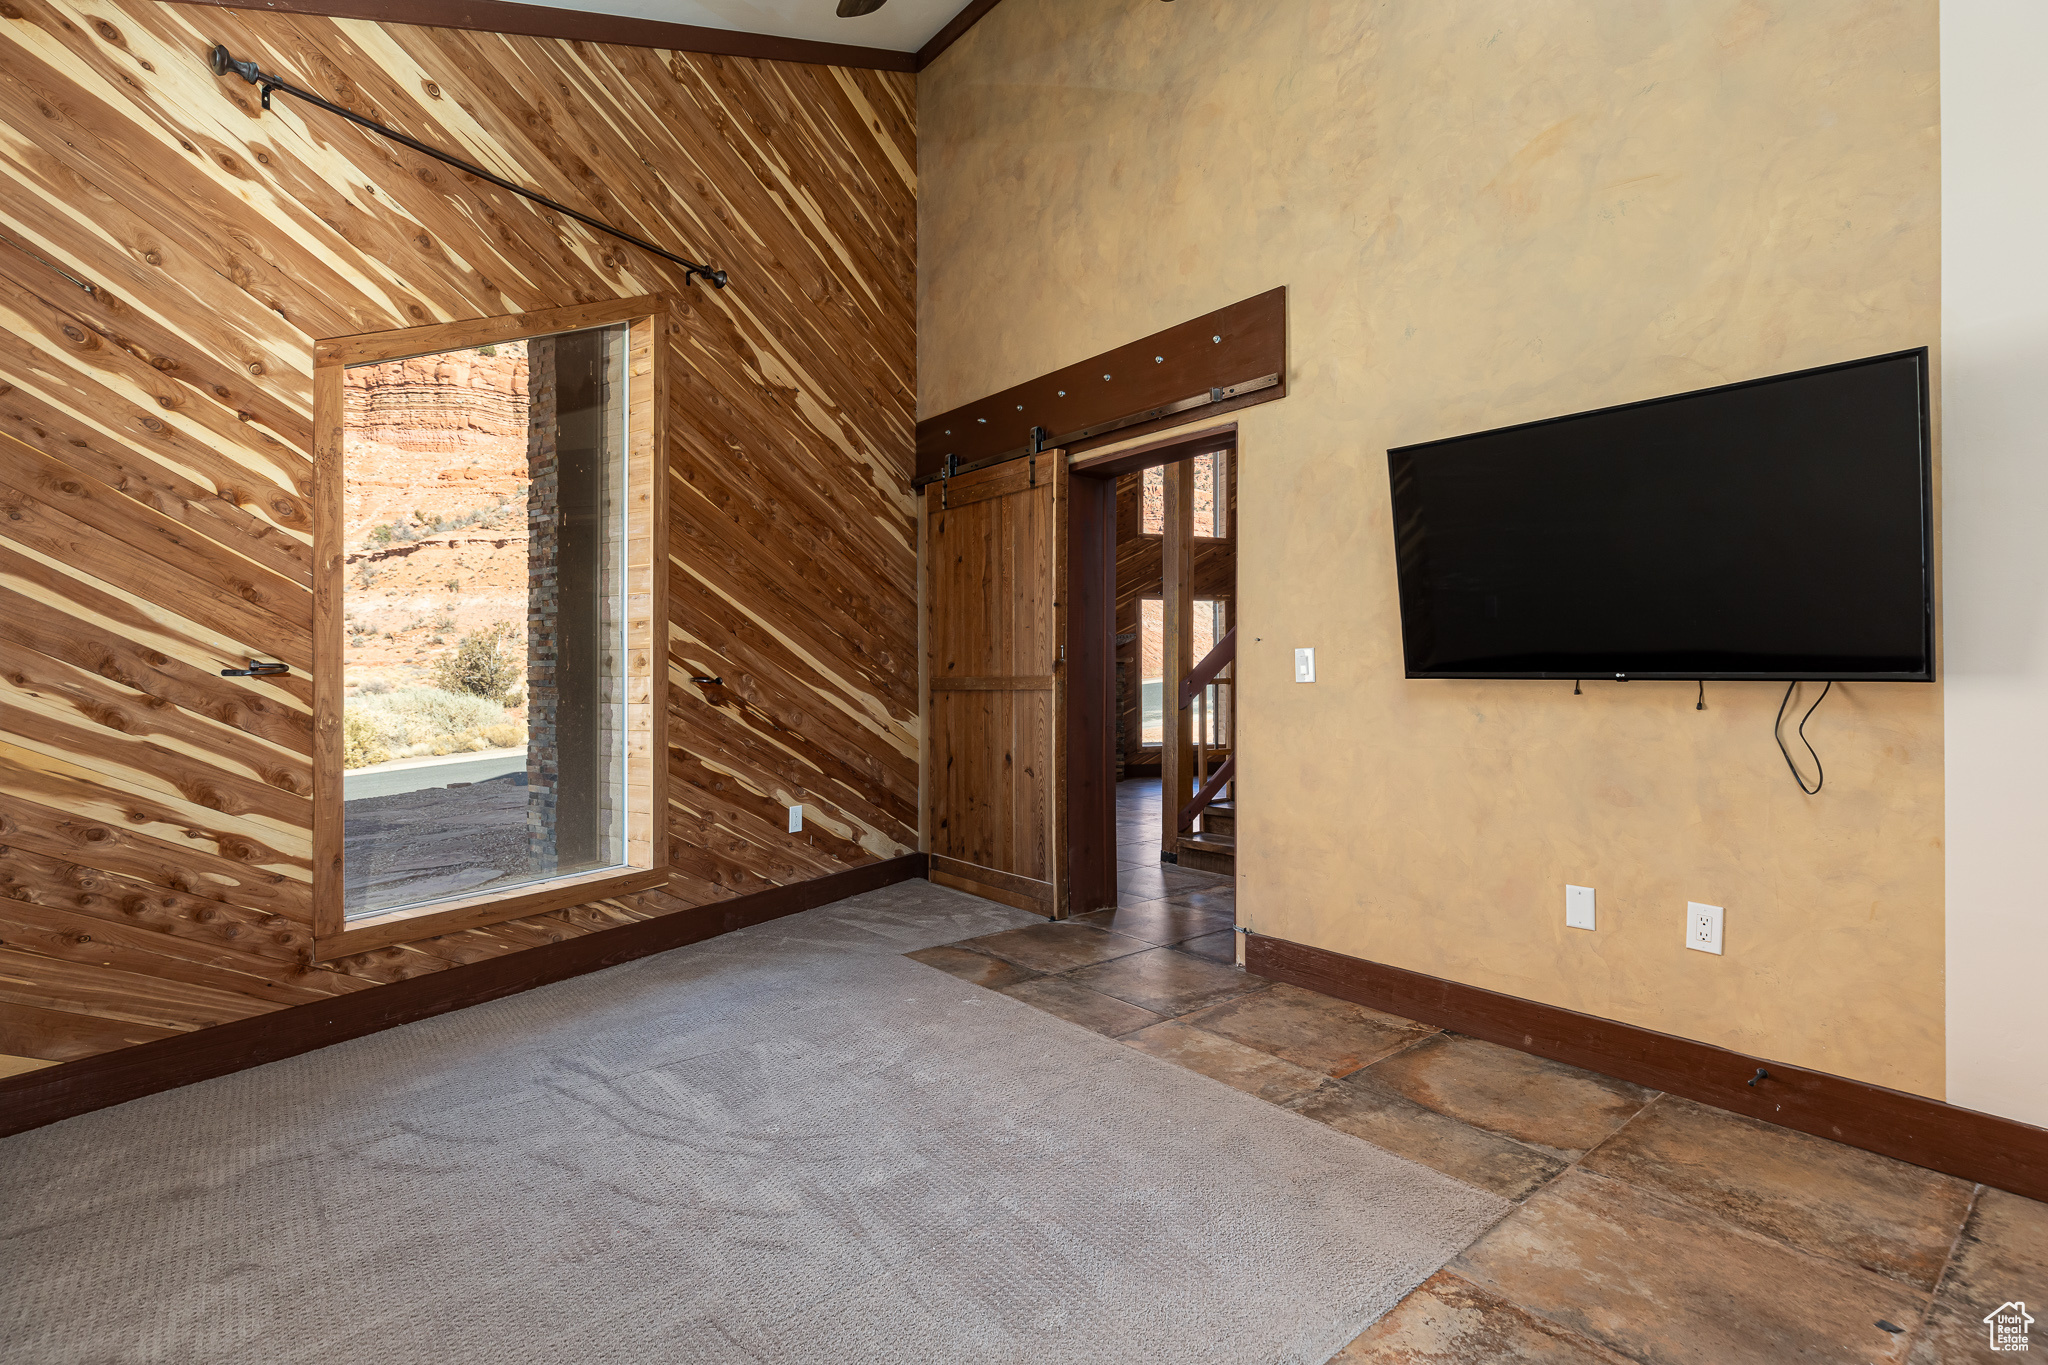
[{"x": 223, "y": 62}]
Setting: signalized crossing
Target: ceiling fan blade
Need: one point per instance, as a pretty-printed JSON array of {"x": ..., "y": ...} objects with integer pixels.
[{"x": 853, "y": 9}]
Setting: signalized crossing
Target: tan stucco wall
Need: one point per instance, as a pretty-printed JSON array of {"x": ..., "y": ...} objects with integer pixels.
[{"x": 1490, "y": 211}]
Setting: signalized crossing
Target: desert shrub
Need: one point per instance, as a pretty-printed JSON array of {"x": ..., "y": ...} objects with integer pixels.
[
  {"x": 482, "y": 665},
  {"x": 421, "y": 719},
  {"x": 361, "y": 743},
  {"x": 508, "y": 735},
  {"x": 490, "y": 351},
  {"x": 375, "y": 687}
]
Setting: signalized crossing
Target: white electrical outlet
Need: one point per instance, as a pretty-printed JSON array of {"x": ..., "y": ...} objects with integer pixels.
[
  {"x": 1703, "y": 927},
  {"x": 1578, "y": 907},
  {"x": 1304, "y": 665},
  {"x": 796, "y": 819}
]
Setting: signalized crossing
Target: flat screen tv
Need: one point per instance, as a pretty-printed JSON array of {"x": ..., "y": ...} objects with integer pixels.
[{"x": 1774, "y": 529}]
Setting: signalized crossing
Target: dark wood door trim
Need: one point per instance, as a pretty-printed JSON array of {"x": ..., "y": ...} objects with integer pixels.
[
  {"x": 1091, "y": 676},
  {"x": 1090, "y": 777},
  {"x": 1961, "y": 1142},
  {"x": 1171, "y": 448},
  {"x": 1177, "y": 602},
  {"x": 35, "y": 1098}
]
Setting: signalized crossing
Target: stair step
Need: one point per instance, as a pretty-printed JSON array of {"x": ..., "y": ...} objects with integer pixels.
[
  {"x": 1209, "y": 853},
  {"x": 1219, "y": 818}
]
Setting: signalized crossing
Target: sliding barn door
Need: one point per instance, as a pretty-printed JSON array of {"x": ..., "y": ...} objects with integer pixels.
[{"x": 995, "y": 604}]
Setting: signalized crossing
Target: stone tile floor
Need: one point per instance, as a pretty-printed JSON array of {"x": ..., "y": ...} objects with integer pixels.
[{"x": 1646, "y": 1228}]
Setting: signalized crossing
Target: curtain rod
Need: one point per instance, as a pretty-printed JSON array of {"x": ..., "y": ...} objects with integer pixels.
[{"x": 223, "y": 63}]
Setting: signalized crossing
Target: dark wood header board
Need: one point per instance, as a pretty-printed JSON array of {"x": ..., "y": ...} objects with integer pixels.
[{"x": 1231, "y": 346}]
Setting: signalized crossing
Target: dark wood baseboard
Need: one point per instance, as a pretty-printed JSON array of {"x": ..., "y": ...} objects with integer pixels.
[
  {"x": 1961, "y": 1142},
  {"x": 50, "y": 1093}
]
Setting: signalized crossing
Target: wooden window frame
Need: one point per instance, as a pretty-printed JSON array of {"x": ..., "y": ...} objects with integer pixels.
[
  {"x": 1229, "y": 605},
  {"x": 1223, "y": 500},
  {"x": 646, "y": 423}
]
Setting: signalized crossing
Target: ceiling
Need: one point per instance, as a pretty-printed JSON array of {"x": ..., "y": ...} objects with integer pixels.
[{"x": 900, "y": 25}]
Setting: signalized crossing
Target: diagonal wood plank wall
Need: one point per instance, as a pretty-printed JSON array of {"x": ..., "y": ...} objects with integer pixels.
[{"x": 168, "y": 254}]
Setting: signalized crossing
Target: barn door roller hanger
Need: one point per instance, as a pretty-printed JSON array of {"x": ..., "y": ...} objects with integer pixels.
[{"x": 223, "y": 63}]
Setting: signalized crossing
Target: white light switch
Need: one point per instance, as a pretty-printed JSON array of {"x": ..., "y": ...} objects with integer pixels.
[
  {"x": 1578, "y": 907},
  {"x": 796, "y": 819},
  {"x": 1304, "y": 665}
]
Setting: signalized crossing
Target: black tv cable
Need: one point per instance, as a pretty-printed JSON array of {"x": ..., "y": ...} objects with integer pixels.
[{"x": 1778, "y": 732}]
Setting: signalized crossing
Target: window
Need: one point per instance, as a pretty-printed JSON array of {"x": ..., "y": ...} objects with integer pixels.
[
  {"x": 1212, "y": 497},
  {"x": 490, "y": 516},
  {"x": 1210, "y": 625},
  {"x": 1151, "y": 671}
]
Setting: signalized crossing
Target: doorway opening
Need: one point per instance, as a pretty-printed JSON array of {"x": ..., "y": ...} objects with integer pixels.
[
  {"x": 1172, "y": 718},
  {"x": 1043, "y": 791}
]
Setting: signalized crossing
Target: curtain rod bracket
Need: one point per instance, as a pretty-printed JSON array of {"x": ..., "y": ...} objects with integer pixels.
[{"x": 224, "y": 63}]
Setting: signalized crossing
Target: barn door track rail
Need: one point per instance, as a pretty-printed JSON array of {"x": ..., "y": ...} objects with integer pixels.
[
  {"x": 1040, "y": 442},
  {"x": 223, "y": 63}
]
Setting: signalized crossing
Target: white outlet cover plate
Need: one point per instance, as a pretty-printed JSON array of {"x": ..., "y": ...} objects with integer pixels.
[
  {"x": 1578, "y": 907},
  {"x": 796, "y": 819},
  {"x": 1703, "y": 927},
  {"x": 1304, "y": 665}
]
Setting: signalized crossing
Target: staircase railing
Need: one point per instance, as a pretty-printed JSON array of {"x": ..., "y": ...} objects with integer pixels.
[
  {"x": 1218, "y": 780},
  {"x": 1204, "y": 673},
  {"x": 1194, "y": 690}
]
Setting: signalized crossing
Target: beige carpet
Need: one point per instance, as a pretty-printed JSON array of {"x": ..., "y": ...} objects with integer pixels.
[{"x": 787, "y": 1144}]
